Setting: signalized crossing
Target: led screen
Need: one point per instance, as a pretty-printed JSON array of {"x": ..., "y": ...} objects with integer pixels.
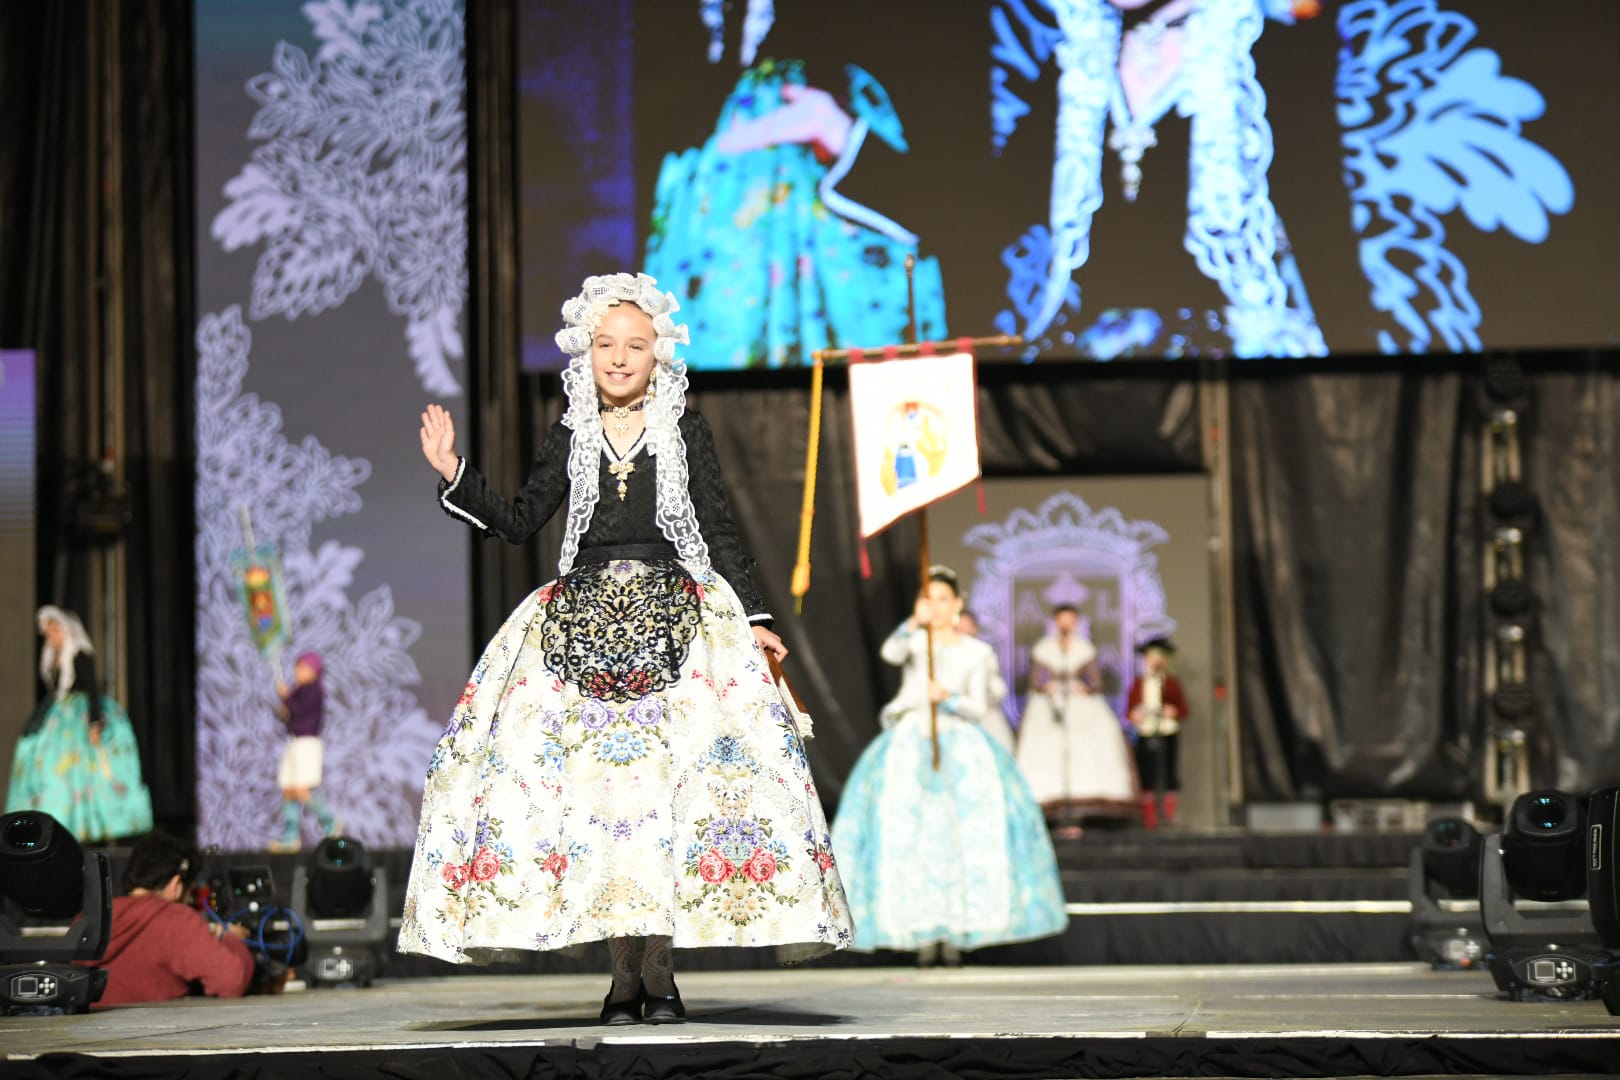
[{"x": 1108, "y": 179}]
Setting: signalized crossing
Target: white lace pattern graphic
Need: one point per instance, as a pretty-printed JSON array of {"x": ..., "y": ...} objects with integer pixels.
[
  {"x": 363, "y": 172},
  {"x": 376, "y": 733}
]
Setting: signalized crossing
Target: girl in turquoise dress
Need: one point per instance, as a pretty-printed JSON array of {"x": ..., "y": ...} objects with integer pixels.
[
  {"x": 77, "y": 759},
  {"x": 954, "y": 858}
]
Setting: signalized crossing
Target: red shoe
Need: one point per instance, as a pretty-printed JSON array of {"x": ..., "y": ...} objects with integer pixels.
[{"x": 1150, "y": 814}]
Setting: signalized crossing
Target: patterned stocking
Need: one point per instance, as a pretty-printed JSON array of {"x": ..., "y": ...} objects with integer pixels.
[
  {"x": 290, "y": 813},
  {"x": 658, "y": 969},
  {"x": 323, "y": 814},
  {"x": 626, "y": 954}
]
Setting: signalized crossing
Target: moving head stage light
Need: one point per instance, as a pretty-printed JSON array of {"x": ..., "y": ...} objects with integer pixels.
[
  {"x": 344, "y": 904},
  {"x": 1603, "y": 887},
  {"x": 1442, "y": 882},
  {"x": 55, "y": 908},
  {"x": 1546, "y": 949}
]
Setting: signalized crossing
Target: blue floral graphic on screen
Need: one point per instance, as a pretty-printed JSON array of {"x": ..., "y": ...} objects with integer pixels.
[{"x": 1432, "y": 127}]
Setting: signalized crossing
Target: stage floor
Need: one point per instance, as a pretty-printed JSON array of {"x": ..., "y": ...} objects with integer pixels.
[{"x": 1232, "y": 1021}]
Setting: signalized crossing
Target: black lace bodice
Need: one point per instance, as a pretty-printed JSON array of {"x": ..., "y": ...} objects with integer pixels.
[{"x": 614, "y": 523}]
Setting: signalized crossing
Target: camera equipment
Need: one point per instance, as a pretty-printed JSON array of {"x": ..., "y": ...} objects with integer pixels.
[
  {"x": 344, "y": 901},
  {"x": 55, "y": 908},
  {"x": 1442, "y": 879},
  {"x": 245, "y": 896},
  {"x": 1547, "y": 948}
]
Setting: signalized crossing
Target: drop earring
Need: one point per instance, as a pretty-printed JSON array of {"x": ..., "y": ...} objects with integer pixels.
[{"x": 652, "y": 387}]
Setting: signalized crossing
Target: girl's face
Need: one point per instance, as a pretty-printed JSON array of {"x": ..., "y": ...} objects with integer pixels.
[
  {"x": 943, "y": 603},
  {"x": 303, "y": 674},
  {"x": 622, "y": 354},
  {"x": 55, "y": 636}
]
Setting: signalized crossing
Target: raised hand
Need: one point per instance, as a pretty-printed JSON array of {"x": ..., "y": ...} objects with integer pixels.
[{"x": 439, "y": 441}]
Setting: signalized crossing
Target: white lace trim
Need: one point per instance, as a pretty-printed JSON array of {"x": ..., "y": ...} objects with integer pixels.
[
  {"x": 452, "y": 508},
  {"x": 675, "y": 515}
]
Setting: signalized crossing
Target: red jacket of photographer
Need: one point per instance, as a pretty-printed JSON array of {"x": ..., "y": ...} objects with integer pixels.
[{"x": 160, "y": 950}]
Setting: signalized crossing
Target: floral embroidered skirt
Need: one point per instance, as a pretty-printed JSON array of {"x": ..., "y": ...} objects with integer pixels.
[
  {"x": 959, "y": 854},
  {"x": 96, "y": 791},
  {"x": 621, "y": 764}
]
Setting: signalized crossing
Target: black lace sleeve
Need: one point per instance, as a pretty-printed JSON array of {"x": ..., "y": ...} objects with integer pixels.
[
  {"x": 468, "y": 497},
  {"x": 84, "y": 678},
  {"x": 714, "y": 517}
]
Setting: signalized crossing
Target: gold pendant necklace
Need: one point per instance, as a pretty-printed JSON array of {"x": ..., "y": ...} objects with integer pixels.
[{"x": 621, "y": 469}]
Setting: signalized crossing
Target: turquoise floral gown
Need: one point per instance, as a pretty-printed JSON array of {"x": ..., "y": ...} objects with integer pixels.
[
  {"x": 959, "y": 855},
  {"x": 621, "y": 763},
  {"x": 767, "y": 260},
  {"x": 94, "y": 790}
]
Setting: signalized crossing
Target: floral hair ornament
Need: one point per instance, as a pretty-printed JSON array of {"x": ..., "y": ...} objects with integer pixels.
[{"x": 583, "y": 313}]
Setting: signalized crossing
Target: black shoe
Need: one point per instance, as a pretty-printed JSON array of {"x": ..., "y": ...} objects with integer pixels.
[
  {"x": 663, "y": 1010},
  {"x": 623, "y": 1012}
]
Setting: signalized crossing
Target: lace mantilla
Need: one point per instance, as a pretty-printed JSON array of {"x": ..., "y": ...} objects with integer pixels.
[{"x": 675, "y": 515}]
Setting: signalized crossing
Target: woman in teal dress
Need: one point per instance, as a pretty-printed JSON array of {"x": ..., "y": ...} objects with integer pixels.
[
  {"x": 943, "y": 860},
  {"x": 77, "y": 759},
  {"x": 769, "y": 261}
]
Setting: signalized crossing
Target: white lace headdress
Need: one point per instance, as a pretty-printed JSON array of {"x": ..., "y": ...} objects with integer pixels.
[
  {"x": 676, "y": 518},
  {"x": 57, "y": 669}
]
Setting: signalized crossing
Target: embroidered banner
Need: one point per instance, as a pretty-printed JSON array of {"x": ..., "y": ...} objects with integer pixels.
[{"x": 916, "y": 434}]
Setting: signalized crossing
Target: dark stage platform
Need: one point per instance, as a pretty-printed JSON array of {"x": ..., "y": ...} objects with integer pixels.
[
  {"x": 1338, "y": 1020},
  {"x": 1135, "y": 897}
]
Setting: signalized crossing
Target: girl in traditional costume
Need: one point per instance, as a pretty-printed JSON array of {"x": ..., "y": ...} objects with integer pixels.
[
  {"x": 77, "y": 760},
  {"x": 1071, "y": 746},
  {"x": 621, "y": 766},
  {"x": 940, "y": 860}
]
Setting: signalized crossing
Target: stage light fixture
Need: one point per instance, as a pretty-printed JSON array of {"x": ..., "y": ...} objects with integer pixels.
[
  {"x": 1511, "y": 598},
  {"x": 1443, "y": 886},
  {"x": 343, "y": 901},
  {"x": 1547, "y": 948},
  {"x": 1542, "y": 846},
  {"x": 55, "y": 908},
  {"x": 339, "y": 879},
  {"x": 1504, "y": 379},
  {"x": 1603, "y": 887},
  {"x": 1602, "y": 866},
  {"x": 1451, "y": 857},
  {"x": 1511, "y": 500}
]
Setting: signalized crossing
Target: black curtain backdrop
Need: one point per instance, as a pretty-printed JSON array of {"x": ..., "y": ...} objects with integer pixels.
[
  {"x": 47, "y": 253},
  {"x": 1355, "y": 491},
  {"x": 95, "y": 104},
  {"x": 1360, "y": 531}
]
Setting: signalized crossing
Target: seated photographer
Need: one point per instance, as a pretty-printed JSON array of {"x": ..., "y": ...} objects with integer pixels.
[{"x": 160, "y": 948}]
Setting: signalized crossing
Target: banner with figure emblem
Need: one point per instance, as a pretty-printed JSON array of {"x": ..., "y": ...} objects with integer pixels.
[{"x": 916, "y": 434}]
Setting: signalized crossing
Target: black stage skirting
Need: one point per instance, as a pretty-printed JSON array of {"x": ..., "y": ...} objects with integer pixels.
[
  {"x": 1134, "y": 898},
  {"x": 905, "y": 1059}
]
